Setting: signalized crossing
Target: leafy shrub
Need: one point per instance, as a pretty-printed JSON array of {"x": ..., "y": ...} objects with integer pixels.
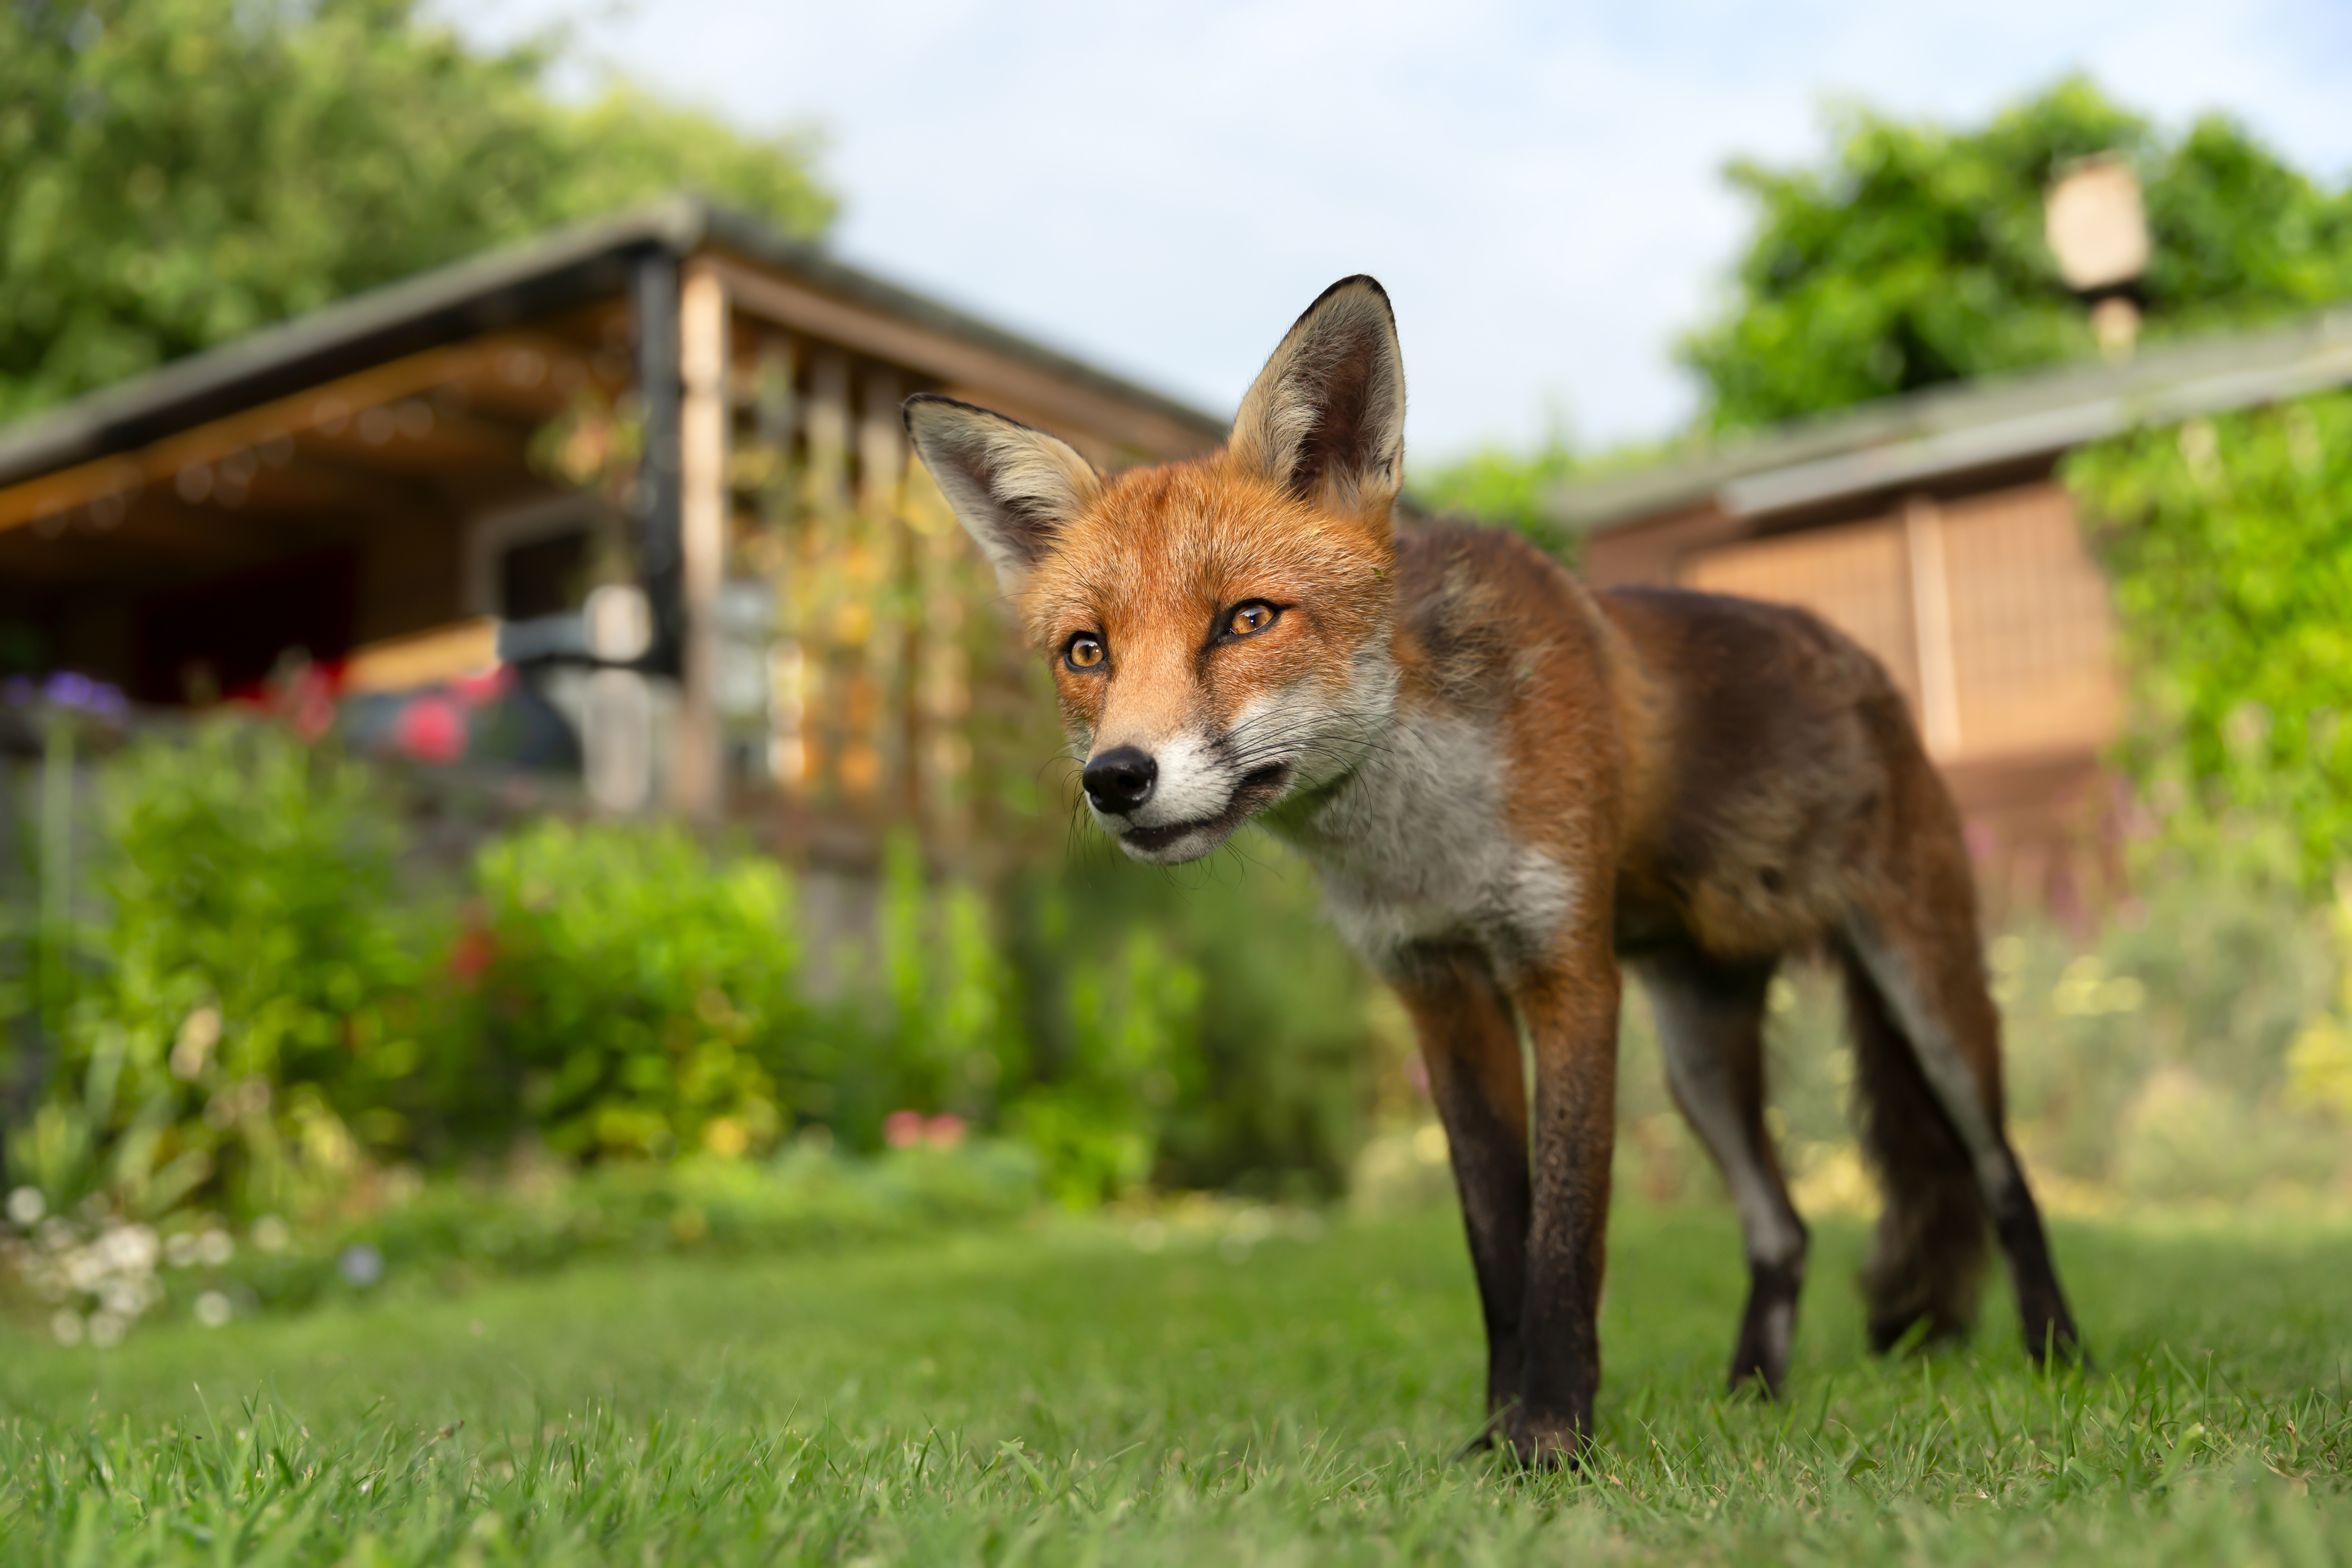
[
  {"x": 2319, "y": 1063},
  {"x": 1097, "y": 1126},
  {"x": 1271, "y": 1053},
  {"x": 254, "y": 1026},
  {"x": 2167, "y": 1034},
  {"x": 940, "y": 1017},
  {"x": 2150, "y": 1062},
  {"x": 1512, "y": 489},
  {"x": 285, "y": 1006},
  {"x": 633, "y": 996}
]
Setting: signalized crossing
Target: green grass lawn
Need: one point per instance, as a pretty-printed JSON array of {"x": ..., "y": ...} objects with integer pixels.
[{"x": 1060, "y": 1397}]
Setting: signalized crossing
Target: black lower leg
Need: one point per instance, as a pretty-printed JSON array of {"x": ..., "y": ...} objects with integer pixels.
[
  {"x": 1490, "y": 1170},
  {"x": 1769, "y": 1327},
  {"x": 2042, "y": 1310}
]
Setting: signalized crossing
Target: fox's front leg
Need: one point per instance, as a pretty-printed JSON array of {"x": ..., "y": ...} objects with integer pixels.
[
  {"x": 1471, "y": 1046},
  {"x": 1570, "y": 1008}
]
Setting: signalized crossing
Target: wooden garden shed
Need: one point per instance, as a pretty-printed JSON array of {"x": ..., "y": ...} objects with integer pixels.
[
  {"x": 437, "y": 479},
  {"x": 1936, "y": 530}
]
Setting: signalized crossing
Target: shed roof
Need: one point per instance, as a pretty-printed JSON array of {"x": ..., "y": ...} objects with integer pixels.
[
  {"x": 1977, "y": 424},
  {"x": 500, "y": 289}
]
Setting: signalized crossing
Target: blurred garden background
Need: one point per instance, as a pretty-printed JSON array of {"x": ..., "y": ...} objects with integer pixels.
[{"x": 702, "y": 879}]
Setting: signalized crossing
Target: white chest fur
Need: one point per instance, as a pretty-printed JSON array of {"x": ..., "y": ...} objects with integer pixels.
[{"x": 1413, "y": 849}]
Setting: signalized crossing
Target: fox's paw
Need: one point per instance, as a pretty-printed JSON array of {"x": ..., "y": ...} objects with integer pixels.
[{"x": 1541, "y": 1442}]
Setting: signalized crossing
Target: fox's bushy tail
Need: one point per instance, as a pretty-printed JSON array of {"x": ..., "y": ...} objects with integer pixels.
[{"x": 1927, "y": 1262}]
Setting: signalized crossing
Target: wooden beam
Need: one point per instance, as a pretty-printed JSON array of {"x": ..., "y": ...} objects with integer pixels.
[
  {"x": 826, "y": 424},
  {"x": 174, "y": 538},
  {"x": 534, "y": 376},
  {"x": 330, "y": 409},
  {"x": 889, "y": 654},
  {"x": 775, "y": 420},
  {"x": 420, "y": 659},
  {"x": 1931, "y": 620},
  {"x": 824, "y": 548},
  {"x": 322, "y": 489},
  {"x": 696, "y": 780},
  {"x": 1150, "y": 434},
  {"x": 412, "y": 436}
]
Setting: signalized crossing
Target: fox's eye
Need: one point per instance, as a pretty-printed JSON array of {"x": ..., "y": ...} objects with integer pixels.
[
  {"x": 1084, "y": 652},
  {"x": 1250, "y": 619}
]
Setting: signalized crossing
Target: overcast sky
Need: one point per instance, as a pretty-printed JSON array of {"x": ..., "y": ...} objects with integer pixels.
[{"x": 1160, "y": 189}]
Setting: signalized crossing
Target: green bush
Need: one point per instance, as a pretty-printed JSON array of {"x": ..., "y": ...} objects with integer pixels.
[
  {"x": 250, "y": 1024},
  {"x": 631, "y": 996},
  {"x": 939, "y": 1015},
  {"x": 1098, "y": 1125},
  {"x": 1272, "y": 1057},
  {"x": 2150, "y": 1061},
  {"x": 281, "y": 1001}
]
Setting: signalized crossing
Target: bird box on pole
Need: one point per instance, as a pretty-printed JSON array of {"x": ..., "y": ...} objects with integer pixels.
[{"x": 2097, "y": 228}]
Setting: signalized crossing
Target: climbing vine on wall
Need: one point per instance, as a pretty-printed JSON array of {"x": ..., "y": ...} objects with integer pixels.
[{"x": 2230, "y": 542}]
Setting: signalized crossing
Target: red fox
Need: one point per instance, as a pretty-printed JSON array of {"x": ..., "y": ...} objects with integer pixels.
[{"x": 1514, "y": 788}]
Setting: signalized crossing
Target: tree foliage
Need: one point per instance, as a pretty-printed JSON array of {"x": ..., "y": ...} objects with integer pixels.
[
  {"x": 2229, "y": 542},
  {"x": 1913, "y": 255},
  {"x": 176, "y": 172}
]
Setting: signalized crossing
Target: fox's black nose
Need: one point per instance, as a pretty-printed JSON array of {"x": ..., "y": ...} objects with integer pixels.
[{"x": 1120, "y": 780}]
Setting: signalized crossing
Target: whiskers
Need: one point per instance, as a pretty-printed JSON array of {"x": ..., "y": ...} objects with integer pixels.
[
  {"x": 1084, "y": 847},
  {"x": 1309, "y": 744},
  {"x": 1263, "y": 757}
]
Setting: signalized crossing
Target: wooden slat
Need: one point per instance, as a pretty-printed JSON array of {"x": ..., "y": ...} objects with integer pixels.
[
  {"x": 2033, "y": 631},
  {"x": 694, "y": 777},
  {"x": 1856, "y": 576},
  {"x": 1931, "y": 626},
  {"x": 1988, "y": 612},
  {"x": 424, "y": 658},
  {"x": 888, "y": 653}
]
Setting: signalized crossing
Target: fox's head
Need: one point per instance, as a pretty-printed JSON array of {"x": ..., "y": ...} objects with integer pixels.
[{"x": 1218, "y": 629}]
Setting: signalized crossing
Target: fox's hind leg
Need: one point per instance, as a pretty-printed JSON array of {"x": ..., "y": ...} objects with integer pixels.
[
  {"x": 1711, "y": 1027},
  {"x": 1928, "y": 1057},
  {"x": 1470, "y": 1044}
]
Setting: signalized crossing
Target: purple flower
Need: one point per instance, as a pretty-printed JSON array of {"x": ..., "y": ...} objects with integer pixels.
[{"x": 67, "y": 688}]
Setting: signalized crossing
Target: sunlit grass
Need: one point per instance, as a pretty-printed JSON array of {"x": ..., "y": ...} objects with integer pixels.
[{"x": 1061, "y": 1397}]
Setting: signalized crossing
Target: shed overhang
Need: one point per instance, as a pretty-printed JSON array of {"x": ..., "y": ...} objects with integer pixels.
[{"x": 1941, "y": 435}]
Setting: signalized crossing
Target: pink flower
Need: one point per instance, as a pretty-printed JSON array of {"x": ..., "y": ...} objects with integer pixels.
[
  {"x": 307, "y": 702},
  {"x": 474, "y": 950},
  {"x": 480, "y": 690},
  {"x": 432, "y": 729},
  {"x": 903, "y": 1129},
  {"x": 944, "y": 1131}
]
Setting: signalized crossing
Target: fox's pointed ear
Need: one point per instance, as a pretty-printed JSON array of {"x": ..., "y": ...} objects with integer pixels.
[
  {"x": 1011, "y": 487},
  {"x": 1326, "y": 417}
]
